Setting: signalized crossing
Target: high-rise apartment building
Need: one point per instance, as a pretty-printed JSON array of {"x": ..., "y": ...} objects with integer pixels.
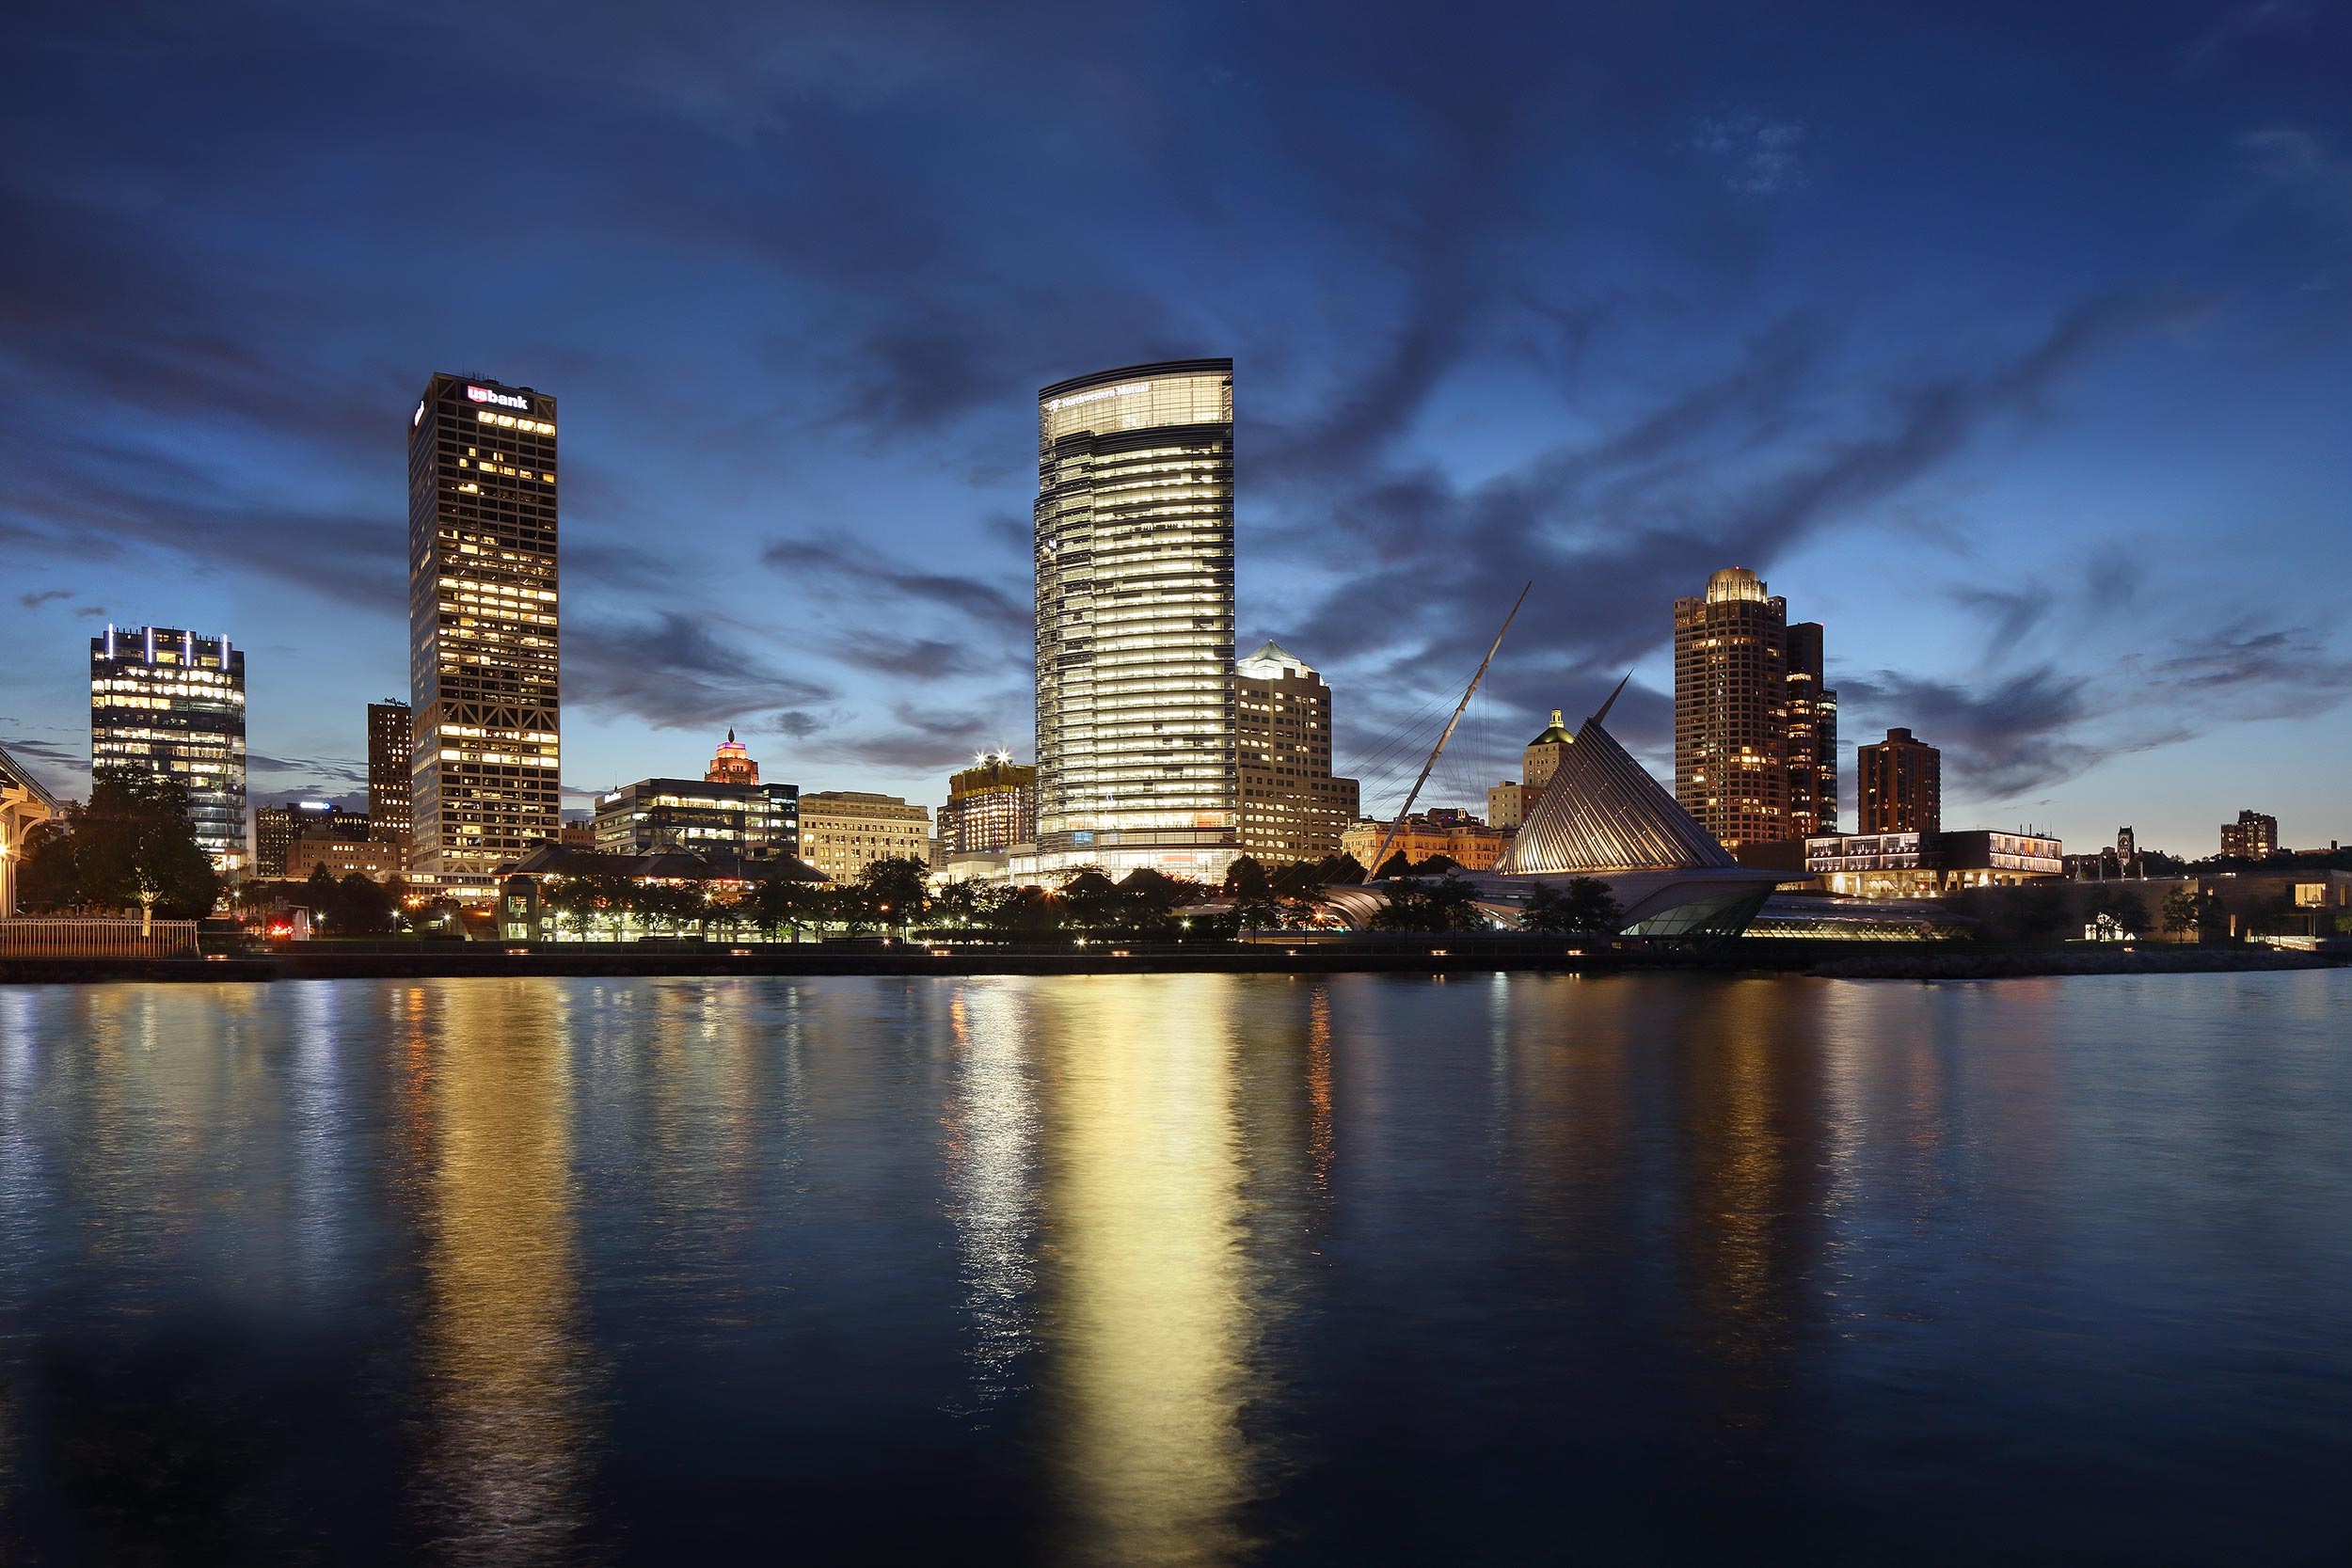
[
  {"x": 1293, "y": 808},
  {"x": 484, "y": 784},
  {"x": 1812, "y": 736},
  {"x": 390, "y": 742},
  {"x": 1899, "y": 785},
  {"x": 2254, "y": 836},
  {"x": 168, "y": 702},
  {"x": 1731, "y": 709},
  {"x": 1135, "y": 621},
  {"x": 991, "y": 806}
]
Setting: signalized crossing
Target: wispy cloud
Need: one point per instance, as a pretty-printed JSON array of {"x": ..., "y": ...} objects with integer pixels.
[
  {"x": 673, "y": 671},
  {"x": 1758, "y": 156}
]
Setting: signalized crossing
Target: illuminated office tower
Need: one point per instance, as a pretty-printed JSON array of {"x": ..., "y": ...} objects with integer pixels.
[
  {"x": 483, "y": 783},
  {"x": 1135, "y": 621},
  {"x": 1812, "y": 736},
  {"x": 1731, "y": 709},
  {"x": 991, "y": 806},
  {"x": 169, "y": 702},
  {"x": 390, "y": 744}
]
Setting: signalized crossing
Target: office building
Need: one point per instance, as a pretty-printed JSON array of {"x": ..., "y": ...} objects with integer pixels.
[
  {"x": 1541, "y": 759},
  {"x": 842, "y": 831},
  {"x": 342, "y": 854},
  {"x": 1293, "y": 808},
  {"x": 276, "y": 829},
  {"x": 1899, "y": 785},
  {"x": 1508, "y": 804},
  {"x": 991, "y": 806},
  {"x": 1812, "y": 736},
  {"x": 1731, "y": 709},
  {"x": 2252, "y": 837},
  {"x": 1135, "y": 621},
  {"x": 747, "y": 820},
  {"x": 168, "y": 702},
  {"x": 485, "y": 780},
  {"x": 391, "y": 745}
]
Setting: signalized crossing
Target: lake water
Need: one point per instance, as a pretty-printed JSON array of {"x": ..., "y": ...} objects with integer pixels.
[{"x": 1178, "y": 1269}]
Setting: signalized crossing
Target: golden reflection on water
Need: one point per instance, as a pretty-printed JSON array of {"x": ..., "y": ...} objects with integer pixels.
[
  {"x": 1145, "y": 1265},
  {"x": 989, "y": 1144},
  {"x": 502, "y": 1342}
]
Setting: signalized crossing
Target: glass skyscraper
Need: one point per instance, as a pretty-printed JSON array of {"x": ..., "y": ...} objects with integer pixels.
[
  {"x": 1135, "y": 621},
  {"x": 485, "y": 786},
  {"x": 169, "y": 702}
]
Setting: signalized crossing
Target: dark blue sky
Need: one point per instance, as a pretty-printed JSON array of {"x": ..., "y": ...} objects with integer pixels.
[{"x": 2012, "y": 342}]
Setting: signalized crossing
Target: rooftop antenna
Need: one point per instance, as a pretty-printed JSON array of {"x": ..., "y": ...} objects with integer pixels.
[{"x": 1396, "y": 827}]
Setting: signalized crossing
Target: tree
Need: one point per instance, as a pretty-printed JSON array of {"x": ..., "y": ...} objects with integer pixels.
[
  {"x": 2182, "y": 916},
  {"x": 780, "y": 901},
  {"x": 1584, "y": 905},
  {"x": 1447, "y": 904},
  {"x": 363, "y": 908},
  {"x": 898, "y": 889},
  {"x": 1246, "y": 880},
  {"x": 2130, "y": 911},
  {"x": 132, "y": 844}
]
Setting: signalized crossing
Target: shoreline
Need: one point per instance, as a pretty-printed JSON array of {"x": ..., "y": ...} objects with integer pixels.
[{"x": 1820, "y": 960}]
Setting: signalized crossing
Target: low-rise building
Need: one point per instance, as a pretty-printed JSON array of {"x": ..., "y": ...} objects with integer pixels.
[
  {"x": 1916, "y": 865},
  {"x": 844, "y": 831},
  {"x": 277, "y": 828},
  {"x": 342, "y": 854},
  {"x": 1460, "y": 836}
]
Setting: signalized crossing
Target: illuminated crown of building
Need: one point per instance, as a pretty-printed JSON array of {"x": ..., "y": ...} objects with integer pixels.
[
  {"x": 1602, "y": 811},
  {"x": 732, "y": 762},
  {"x": 1735, "y": 583}
]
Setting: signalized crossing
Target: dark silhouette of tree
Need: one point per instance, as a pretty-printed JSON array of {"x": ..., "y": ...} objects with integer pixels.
[
  {"x": 898, "y": 889},
  {"x": 1445, "y": 904},
  {"x": 1583, "y": 904},
  {"x": 1245, "y": 879},
  {"x": 131, "y": 845}
]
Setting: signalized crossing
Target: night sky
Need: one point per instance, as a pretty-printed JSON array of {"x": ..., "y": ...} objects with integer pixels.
[{"x": 2016, "y": 346}]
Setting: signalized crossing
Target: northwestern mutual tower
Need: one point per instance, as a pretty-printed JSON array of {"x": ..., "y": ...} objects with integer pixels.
[
  {"x": 484, "y": 777},
  {"x": 1135, "y": 621}
]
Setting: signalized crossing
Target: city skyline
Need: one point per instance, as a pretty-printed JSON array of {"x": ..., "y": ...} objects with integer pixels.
[{"x": 2046, "y": 489}]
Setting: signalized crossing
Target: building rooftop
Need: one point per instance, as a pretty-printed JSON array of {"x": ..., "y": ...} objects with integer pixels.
[
  {"x": 1555, "y": 733},
  {"x": 1271, "y": 662}
]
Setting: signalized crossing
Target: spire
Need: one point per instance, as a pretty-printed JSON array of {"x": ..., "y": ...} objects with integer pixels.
[
  {"x": 730, "y": 734},
  {"x": 1607, "y": 705}
]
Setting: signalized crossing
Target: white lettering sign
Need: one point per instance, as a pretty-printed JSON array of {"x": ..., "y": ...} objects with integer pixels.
[
  {"x": 1052, "y": 405},
  {"x": 504, "y": 400}
]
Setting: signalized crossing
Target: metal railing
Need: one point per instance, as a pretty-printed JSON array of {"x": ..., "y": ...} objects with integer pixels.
[{"x": 43, "y": 938}]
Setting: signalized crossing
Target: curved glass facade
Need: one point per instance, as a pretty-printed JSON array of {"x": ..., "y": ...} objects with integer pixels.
[{"x": 1135, "y": 621}]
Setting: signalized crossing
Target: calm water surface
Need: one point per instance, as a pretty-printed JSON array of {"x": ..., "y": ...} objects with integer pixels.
[{"x": 1179, "y": 1269}]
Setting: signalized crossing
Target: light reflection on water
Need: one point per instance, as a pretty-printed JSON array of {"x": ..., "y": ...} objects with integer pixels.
[{"x": 1180, "y": 1269}]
